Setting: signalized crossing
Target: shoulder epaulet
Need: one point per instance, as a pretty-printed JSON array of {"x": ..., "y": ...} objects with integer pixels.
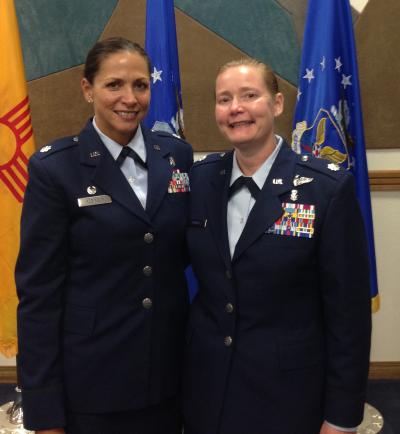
[
  {"x": 165, "y": 134},
  {"x": 321, "y": 165},
  {"x": 57, "y": 146},
  {"x": 210, "y": 158}
]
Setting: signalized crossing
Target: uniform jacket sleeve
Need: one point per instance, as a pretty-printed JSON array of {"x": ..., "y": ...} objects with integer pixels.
[
  {"x": 344, "y": 278},
  {"x": 40, "y": 274}
]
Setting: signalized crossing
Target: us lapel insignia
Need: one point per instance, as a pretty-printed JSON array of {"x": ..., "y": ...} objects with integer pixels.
[
  {"x": 277, "y": 181},
  {"x": 300, "y": 180},
  {"x": 157, "y": 147},
  {"x": 294, "y": 195},
  {"x": 94, "y": 154},
  {"x": 172, "y": 161},
  {"x": 91, "y": 189}
]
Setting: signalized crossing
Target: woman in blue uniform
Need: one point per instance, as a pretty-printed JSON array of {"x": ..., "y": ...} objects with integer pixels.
[
  {"x": 279, "y": 332},
  {"x": 100, "y": 273}
]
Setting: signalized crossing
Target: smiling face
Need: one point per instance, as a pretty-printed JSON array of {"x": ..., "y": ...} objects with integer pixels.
[
  {"x": 245, "y": 109},
  {"x": 120, "y": 93}
]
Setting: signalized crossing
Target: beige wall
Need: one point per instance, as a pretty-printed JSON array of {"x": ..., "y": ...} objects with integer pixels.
[{"x": 386, "y": 214}]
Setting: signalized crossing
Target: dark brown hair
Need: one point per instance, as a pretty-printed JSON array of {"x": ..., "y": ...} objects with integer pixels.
[{"x": 102, "y": 49}]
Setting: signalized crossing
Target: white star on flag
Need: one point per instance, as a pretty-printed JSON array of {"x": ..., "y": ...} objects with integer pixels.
[
  {"x": 339, "y": 64},
  {"x": 346, "y": 80},
  {"x": 309, "y": 75},
  {"x": 156, "y": 75},
  {"x": 323, "y": 63}
]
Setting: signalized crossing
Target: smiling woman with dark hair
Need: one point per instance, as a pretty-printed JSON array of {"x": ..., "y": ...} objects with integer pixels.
[{"x": 100, "y": 273}]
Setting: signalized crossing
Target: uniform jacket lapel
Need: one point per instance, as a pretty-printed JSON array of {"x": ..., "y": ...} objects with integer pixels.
[
  {"x": 217, "y": 207},
  {"x": 105, "y": 172},
  {"x": 160, "y": 172},
  {"x": 268, "y": 207}
]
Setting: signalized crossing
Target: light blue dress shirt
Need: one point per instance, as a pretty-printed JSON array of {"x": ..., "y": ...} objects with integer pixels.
[
  {"x": 135, "y": 174},
  {"x": 241, "y": 203}
]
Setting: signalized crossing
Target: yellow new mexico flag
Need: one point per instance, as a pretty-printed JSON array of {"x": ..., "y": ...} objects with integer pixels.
[{"x": 16, "y": 145}]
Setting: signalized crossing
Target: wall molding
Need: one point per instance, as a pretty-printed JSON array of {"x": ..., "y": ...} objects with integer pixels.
[
  {"x": 377, "y": 371},
  {"x": 384, "y": 371},
  {"x": 8, "y": 375},
  {"x": 384, "y": 180}
]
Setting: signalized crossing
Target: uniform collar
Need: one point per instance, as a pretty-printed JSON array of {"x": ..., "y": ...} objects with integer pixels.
[
  {"x": 262, "y": 172},
  {"x": 136, "y": 143}
]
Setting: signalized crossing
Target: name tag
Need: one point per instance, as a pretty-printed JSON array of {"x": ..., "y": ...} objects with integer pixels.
[{"x": 94, "y": 200}]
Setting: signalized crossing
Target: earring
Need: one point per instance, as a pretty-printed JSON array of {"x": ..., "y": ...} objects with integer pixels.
[{"x": 90, "y": 100}]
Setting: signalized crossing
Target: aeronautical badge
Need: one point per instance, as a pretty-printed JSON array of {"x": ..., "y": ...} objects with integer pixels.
[
  {"x": 179, "y": 182},
  {"x": 297, "y": 221},
  {"x": 333, "y": 166},
  {"x": 300, "y": 180},
  {"x": 45, "y": 148}
]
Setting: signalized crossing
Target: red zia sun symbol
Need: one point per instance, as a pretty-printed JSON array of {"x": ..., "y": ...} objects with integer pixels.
[{"x": 16, "y": 129}]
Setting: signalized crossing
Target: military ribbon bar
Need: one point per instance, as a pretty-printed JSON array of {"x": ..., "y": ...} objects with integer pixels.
[{"x": 297, "y": 220}]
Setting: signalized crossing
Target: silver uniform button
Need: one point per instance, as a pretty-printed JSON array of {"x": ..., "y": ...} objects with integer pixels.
[
  {"x": 228, "y": 341},
  {"x": 148, "y": 238},
  {"x": 229, "y": 307},
  {"x": 147, "y": 303},
  {"x": 147, "y": 270}
]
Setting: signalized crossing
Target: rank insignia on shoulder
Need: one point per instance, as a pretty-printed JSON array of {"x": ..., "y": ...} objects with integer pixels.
[
  {"x": 300, "y": 180},
  {"x": 179, "y": 182},
  {"x": 75, "y": 139},
  {"x": 333, "y": 166},
  {"x": 297, "y": 220},
  {"x": 45, "y": 148}
]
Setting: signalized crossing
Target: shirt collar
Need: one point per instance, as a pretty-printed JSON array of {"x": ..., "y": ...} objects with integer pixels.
[
  {"x": 262, "y": 172},
  {"x": 136, "y": 143}
]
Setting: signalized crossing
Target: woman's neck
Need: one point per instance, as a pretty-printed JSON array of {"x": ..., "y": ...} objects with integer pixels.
[{"x": 251, "y": 159}]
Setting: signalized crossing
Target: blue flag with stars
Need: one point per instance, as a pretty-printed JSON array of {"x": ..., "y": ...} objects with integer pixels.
[
  {"x": 165, "y": 112},
  {"x": 328, "y": 119}
]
